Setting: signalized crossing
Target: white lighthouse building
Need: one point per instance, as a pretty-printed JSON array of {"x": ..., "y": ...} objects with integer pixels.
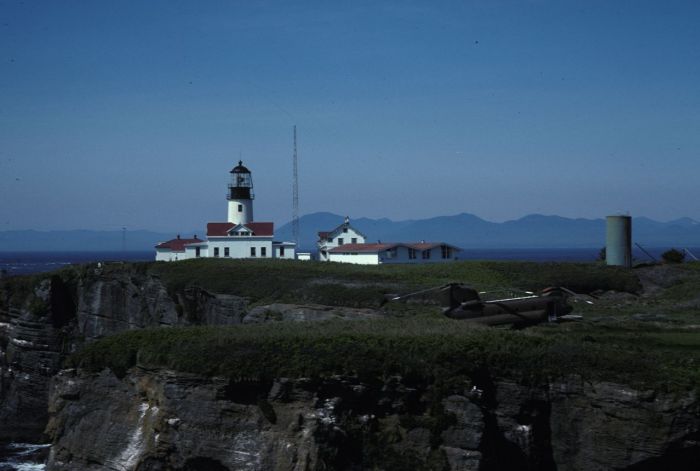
[{"x": 239, "y": 237}]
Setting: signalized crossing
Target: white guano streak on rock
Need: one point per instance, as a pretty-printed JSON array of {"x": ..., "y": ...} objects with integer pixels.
[
  {"x": 92, "y": 324},
  {"x": 128, "y": 458},
  {"x": 22, "y": 343},
  {"x": 97, "y": 298},
  {"x": 245, "y": 453},
  {"x": 326, "y": 413}
]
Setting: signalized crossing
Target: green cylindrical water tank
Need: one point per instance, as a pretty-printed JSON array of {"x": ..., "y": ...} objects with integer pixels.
[{"x": 618, "y": 241}]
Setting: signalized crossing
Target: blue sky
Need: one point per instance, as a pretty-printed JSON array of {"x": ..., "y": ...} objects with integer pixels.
[{"x": 132, "y": 113}]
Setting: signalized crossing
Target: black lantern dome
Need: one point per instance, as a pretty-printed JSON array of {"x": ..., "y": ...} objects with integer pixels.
[
  {"x": 240, "y": 168},
  {"x": 241, "y": 186}
]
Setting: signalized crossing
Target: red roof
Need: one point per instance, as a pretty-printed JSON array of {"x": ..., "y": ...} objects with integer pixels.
[
  {"x": 221, "y": 229},
  {"x": 387, "y": 246},
  {"x": 262, "y": 228},
  {"x": 177, "y": 245}
]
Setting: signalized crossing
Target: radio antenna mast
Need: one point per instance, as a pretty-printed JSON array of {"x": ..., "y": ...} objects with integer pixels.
[{"x": 295, "y": 193}]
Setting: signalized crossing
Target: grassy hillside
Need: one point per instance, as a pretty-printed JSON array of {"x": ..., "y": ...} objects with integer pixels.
[
  {"x": 264, "y": 281},
  {"x": 650, "y": 339}
]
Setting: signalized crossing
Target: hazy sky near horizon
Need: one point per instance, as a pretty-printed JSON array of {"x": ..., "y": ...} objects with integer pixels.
[{"x": 132, "y": 113}]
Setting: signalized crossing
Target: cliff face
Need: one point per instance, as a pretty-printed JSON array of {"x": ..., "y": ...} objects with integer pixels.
[
  {"x": 31, "y": 349},
  {"x": 41, "y": 323},
  {"x": 155, "y": 420}
]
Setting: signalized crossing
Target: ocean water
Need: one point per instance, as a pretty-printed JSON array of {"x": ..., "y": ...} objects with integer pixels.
[
  {"x": 564, "y": 255},
  {"x": 23, "y": 456},
  {"x": 24, "y": 263}
]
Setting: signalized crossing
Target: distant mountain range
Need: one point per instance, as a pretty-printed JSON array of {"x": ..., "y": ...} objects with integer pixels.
[
  {"x": 470, "y": 231},
  {"x": 463, "y": 230}
]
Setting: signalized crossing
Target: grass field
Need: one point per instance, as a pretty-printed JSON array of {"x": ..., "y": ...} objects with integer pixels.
[{"x": 265, "y": 281}]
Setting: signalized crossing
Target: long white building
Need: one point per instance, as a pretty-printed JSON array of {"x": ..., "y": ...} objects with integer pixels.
[
  {"x": 239, "y": 237},
  {"x": 397, "y": 252}
]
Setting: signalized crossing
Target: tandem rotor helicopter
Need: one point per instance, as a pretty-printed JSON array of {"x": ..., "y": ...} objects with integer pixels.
[{"x": 462, "y": 302}]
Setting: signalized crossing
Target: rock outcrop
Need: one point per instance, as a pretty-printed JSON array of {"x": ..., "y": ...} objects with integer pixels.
[
  {"x": 123, "y": 300},
  {"x": 154, "y": 420}
]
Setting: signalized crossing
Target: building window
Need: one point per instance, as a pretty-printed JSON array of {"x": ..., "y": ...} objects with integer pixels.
[
  {"x": 216, "y": 251},
  {"x": 340, "y": 241},
  {"x": 426, "y": 254},
  {"x": 411, "y": 253},
  {"x": 226, "y": 252},
  {"x": 252, "y": 251},
  {"x": 281, "y": 251},
  {"x": 196, "y": 252},
  {"x": 263, "y": 251},
  {"x": 345, "y": 229},
  {"x": 446, "y": 251},
  {"x": 354, "y": 240},
  {"x": 240, "y": 208}
]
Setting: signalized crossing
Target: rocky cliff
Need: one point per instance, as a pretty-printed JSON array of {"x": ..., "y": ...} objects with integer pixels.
[
  {"x": 160, "y": 419},
  {"x": 403, "y": 411},
  {"x": 44, "y": 318}
]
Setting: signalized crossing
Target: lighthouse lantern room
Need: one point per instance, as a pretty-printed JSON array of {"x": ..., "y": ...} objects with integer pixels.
[{"x": 240, "y": 195}]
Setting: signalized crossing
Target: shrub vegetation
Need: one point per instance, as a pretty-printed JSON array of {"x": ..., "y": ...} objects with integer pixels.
[
  {"x": 673, "y": 256},
  {"x": 427, "y": 346}
]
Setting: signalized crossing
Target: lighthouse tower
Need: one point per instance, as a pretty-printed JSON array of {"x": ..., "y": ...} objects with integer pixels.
[{"x": 240, "y": 195}]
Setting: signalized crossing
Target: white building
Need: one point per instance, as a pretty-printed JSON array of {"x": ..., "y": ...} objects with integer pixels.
[
  {"x": 399, "y": 252},
  {"x": 346, "y": 244},
  {"x": 239, "y": 237},
  {"x": 341, "y": 235}
]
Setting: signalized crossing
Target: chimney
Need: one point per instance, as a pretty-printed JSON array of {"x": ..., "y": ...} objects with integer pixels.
[{"x": 178, "y": 237}]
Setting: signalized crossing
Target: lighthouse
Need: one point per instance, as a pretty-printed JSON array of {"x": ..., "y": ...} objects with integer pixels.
[
  {"x": 238, "y": 237},
  {"x": 240, "y": 195}
]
